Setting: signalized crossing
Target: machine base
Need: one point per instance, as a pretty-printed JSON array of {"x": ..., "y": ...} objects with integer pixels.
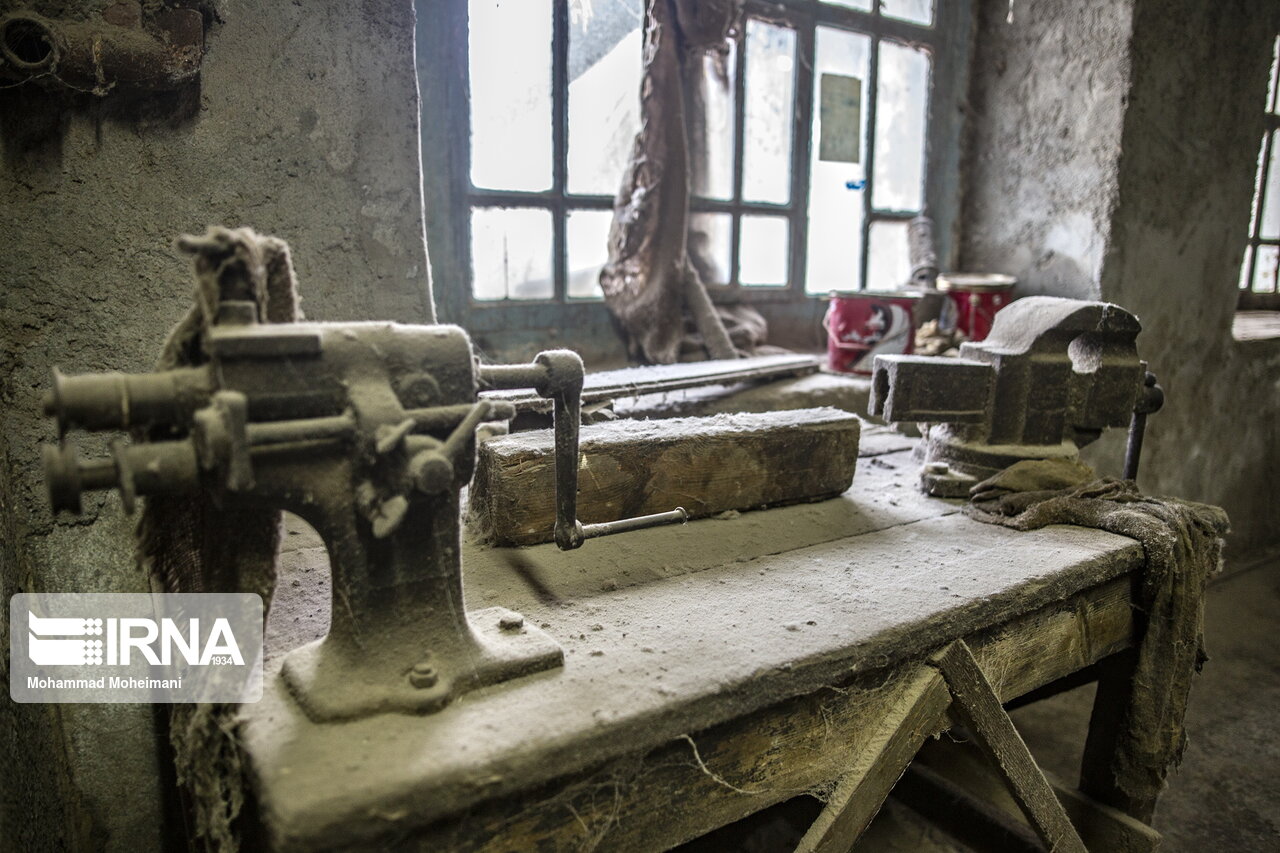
[
  {"x": 953, "y": 466},
  {"x": 335, "y": 680}
]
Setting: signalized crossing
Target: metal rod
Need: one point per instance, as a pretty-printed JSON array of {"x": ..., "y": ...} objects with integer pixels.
[
  {"x": 494, "y": 376},
  {"x": 639, "y": 522},
  {"x": 310, "y": 429},
  {"x": 1133, "y": 451},
  {"x": 566, "y": 421},
  {"x": 1150, "y": 400},
  {"x": 465, "y": 429},
  {"x": 448, "y": 417}
]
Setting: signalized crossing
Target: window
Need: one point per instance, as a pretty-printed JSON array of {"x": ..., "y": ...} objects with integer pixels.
[
  {"x": 1260, "y": 271},
  {"x": 832, "y": 124}
]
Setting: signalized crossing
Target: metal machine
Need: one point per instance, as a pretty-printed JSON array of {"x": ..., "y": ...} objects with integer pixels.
[
  {"x": 1049, "y": 378},
  {"x": 367, "y": 431}
]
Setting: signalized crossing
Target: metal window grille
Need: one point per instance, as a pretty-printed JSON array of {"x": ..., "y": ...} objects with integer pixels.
[
  {"x": 941, "y": 32},
  {"x": 1260, "y": 269}
]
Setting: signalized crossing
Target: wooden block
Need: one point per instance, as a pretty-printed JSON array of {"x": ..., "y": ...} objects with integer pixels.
[{"x": 628, "y": 468}]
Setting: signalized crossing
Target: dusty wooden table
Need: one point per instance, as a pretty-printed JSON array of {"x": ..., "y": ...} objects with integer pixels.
[{"x": 711, "y": 670}]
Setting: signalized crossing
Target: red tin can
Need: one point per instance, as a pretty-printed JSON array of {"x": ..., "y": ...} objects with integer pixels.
[
  {"x": 863, "y": 324},
  {"x": 977, "y": 297}
]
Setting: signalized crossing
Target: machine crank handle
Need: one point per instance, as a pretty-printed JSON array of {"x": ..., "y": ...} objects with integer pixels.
[
  {"x": 558, "y": 375},
  {"x": 563, "y": 383}
]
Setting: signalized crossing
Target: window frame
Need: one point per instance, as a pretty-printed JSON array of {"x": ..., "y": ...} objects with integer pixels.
[
  {"x": 442, "y": 48},
  {"x": 1249, "y": 299}
]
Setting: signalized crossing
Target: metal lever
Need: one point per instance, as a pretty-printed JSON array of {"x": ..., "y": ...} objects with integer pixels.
[
  {"x": 1150, "y": 401},
  {"x": 558, "y": 374}
]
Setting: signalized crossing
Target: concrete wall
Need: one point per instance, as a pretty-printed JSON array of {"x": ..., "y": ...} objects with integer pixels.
[
  {"x": 1046, "y": 112},
  {"x": 1189, "y": 154},
  {"x": 306, "y": 128},
  {"x": 1112, "y": 156}
]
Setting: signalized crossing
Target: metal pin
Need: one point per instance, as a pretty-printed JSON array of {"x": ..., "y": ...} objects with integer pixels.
[{"x": 640, "y": 522}]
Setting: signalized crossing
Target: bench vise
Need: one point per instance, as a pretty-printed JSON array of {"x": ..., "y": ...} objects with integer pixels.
[
  {"x": 367, "y": 431},
  {"x": 1052, "y": 374}
]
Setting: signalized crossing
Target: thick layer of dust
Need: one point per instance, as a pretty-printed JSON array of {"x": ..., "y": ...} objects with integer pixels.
[{"x": 729, "y": 619}]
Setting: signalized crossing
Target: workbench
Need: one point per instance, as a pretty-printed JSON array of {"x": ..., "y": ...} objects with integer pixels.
[{"x": 711, "y": 670}]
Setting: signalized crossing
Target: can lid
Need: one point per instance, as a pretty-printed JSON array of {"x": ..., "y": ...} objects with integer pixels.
[
  {"x": 874, "y": 294},
  {"x": 975, "y": 281}
]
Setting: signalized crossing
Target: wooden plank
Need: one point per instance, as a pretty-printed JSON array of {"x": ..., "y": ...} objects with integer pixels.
[
  {"x": 876, "y": 768},
  {"x": 978, "y": 708},
  {"x": 630, "y": 468},
  {"x": 660, "y": 378},
  {"x": 974, "y": 815},
  {"x": 976, "y": 790},
  {"x": 1103, "y": 827}
]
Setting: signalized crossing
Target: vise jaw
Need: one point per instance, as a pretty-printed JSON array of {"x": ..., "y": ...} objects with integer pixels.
[
  {"x": 367, "y": 431},
  {"x": 1049, "y": 378}
]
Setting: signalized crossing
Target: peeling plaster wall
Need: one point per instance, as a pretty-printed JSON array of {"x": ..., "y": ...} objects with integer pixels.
[
  {"x": 1046, "y": 106},
  {"x": 1189, "y": 154},
  {"x": 1112, "y": 154},
  {"x": 306, "y": 129}
]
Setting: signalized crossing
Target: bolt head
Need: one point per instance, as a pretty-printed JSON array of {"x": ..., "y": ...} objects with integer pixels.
[
  {"x": 937, "y": 468},
  {"x": 511, "y": 623},
  {"x": 423, "y": 675}
]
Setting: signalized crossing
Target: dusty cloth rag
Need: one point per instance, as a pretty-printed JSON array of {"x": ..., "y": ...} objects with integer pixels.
[
  {"x": 1183, "y": 546},
  {"x": 659, "y": 257},
  {"x": 195, "y": 546}
]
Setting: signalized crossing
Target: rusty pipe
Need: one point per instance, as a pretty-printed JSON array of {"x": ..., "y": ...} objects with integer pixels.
[{"x": 97, "y": 56}]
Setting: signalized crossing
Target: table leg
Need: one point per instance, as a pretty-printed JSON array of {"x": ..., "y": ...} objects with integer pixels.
[{"x": 1107, "y": 725}]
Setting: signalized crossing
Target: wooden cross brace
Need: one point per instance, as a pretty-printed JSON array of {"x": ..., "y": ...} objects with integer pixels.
[{"x": 950, "y": 681}]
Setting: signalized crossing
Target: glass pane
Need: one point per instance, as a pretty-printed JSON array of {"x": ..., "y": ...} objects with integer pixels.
[
  {"x": 587, "y": 241},
  {"x": 711, "y": 174},
  {"x": 604, "y": 92},
  {"x": 835, "y": 197},
  {"x": 1257, "y": 187},
  {"x": 710, "y": 244},
  {"x": 863, "y": 5},
  {"x": 889, "y": 264},
  {"x": 1244, "y": 268},
  {"x": 1275, "y": 78},
  {"x": 915, "y": 11},
  {"x": 1270, "y": 226},
  {"x": 762, "y": 252},
  {"x": 510, "y": 61},
  {"x": 511, "y": 253},
  {"x": 901, "y": 111},
  {"x": 1264, "y": 273},
  {"x": 769, "y": 110}
]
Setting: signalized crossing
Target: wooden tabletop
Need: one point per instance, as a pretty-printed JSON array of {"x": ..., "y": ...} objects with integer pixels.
[{"x": 677, "y": 631}]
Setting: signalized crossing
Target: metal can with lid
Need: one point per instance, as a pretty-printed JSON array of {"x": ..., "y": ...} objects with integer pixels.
[
  {"x": 863, "y": 324},
  {"x": 977, "y": 297}
]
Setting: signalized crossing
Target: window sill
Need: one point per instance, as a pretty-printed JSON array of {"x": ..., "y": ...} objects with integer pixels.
[{"x": 1256, "y": 326}]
